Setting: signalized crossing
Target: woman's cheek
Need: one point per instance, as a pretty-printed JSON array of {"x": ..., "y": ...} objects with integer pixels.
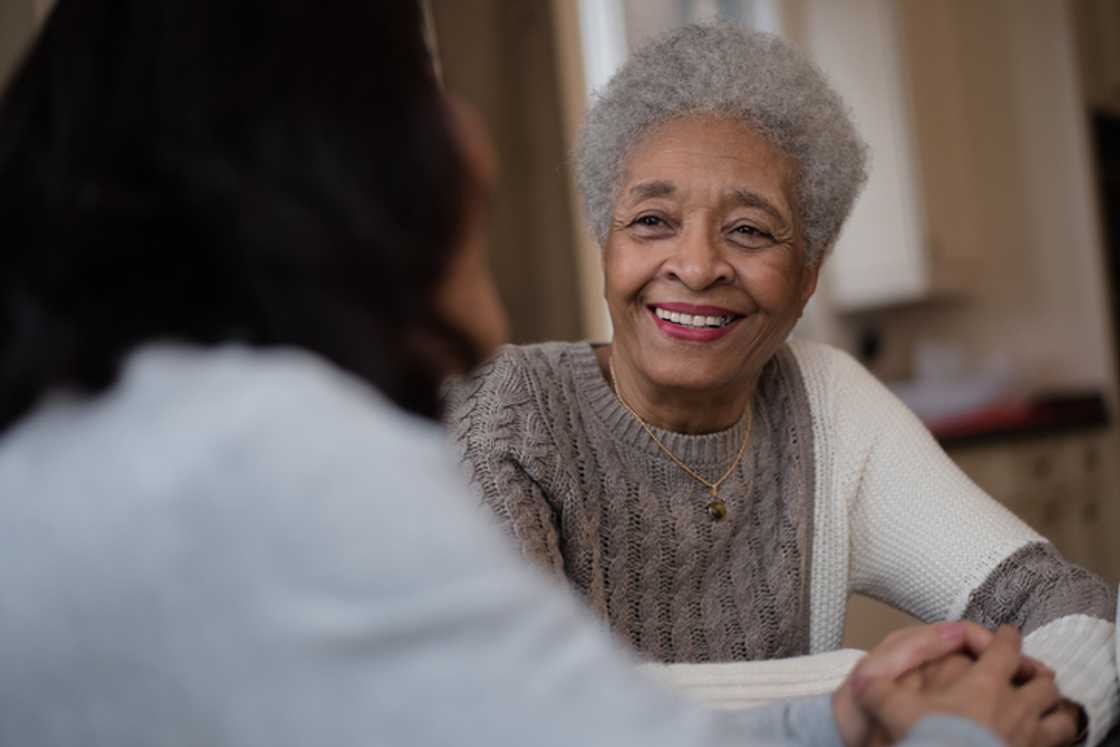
[{"x": 774, "y": 286}]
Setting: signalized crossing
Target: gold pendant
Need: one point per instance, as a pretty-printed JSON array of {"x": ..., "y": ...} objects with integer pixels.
[{"x": 717, "y": 510}]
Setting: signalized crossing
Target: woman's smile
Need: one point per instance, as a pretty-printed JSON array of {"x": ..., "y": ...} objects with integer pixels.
[{"x": 692, "y": 323}]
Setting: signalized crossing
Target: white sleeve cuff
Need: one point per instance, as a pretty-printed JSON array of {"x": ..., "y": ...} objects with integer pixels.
[{"x": 1082, "y": 652}]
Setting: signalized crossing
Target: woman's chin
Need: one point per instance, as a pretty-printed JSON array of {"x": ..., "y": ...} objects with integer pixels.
[{"x": 685, "y": 374}]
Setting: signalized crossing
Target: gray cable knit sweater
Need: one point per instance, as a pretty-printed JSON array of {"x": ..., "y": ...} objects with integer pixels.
[{"x": 588, "y": 494}]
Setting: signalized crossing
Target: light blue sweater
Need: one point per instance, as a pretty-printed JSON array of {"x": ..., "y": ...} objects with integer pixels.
[{"x": 234, "y": 547}]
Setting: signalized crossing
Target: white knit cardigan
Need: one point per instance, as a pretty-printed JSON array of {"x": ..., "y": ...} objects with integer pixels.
[{"x": 895, "y": 519}]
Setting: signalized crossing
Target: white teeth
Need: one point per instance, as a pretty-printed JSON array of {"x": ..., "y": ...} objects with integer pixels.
[{"x": 690, "y": 320}]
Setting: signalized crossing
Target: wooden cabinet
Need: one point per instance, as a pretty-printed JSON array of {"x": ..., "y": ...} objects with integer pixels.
[
  {"x": 889, "y": 214},
  {"x": 1064, "y": 486},
  {"x": 1067, "y": 487},
  {"x": 912, "y": 233}
]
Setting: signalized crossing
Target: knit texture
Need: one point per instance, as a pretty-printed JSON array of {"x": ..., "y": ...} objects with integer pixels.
[
  {"x": 730, "y": 685},
  {"x": 842, "y": 491},
  {"x": 1037, "y": 571},
  {"x": 586, "y": 492},
  {"x": 1079, "y": 650}
]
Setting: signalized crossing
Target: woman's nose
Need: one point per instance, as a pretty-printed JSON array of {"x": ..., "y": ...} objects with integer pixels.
[{"x": 698, "y": 261}]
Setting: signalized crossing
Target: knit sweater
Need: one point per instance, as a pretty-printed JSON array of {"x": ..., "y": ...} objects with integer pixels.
[{"x": 842, "y": 491}]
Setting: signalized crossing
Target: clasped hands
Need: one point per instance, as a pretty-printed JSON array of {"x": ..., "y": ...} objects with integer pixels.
[{"x": 958, "y": 669}]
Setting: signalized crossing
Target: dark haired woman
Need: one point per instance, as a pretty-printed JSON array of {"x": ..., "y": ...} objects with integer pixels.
[{"x": 238, "y": 260}]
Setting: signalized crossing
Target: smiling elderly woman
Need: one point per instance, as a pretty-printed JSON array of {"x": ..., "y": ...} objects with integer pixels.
[{"x": 713, "y": 490}]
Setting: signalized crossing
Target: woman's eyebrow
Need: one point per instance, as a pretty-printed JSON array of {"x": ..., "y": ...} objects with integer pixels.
[
  {"x": 652, "y": 188},
  {"x": 747, "y": 198}
]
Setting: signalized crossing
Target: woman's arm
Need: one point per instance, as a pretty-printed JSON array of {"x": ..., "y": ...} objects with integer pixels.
[
  {"x": 493, "y": 426},
  {"x": 523, "y": 511},
  {"x": 747, "y": 684},
  {"x": 927, "y": 540}
]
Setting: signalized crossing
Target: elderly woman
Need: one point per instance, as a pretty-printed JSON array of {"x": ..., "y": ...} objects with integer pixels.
[{"x": 714, "y": 490}]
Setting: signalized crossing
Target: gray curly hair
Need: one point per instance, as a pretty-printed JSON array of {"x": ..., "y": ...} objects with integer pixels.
[{"x": 727, "y": 70}]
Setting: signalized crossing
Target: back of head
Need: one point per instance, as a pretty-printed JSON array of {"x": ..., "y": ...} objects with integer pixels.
[{"x": 280, "y": 172}]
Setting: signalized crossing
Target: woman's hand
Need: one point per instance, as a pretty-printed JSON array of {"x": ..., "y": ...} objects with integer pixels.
[
  {"x": 1068, "y": 726},
  {"x": 901, "y": 652},
  {"x": 1020, "y": 704}
]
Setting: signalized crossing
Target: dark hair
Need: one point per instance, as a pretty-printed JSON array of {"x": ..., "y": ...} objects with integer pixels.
[{"x": 281, "y": 172}]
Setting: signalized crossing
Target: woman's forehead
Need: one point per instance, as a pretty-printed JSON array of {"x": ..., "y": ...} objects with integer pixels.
[{"x": 708, "y": 158}]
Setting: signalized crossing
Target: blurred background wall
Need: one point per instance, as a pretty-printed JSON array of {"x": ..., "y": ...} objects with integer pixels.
[
  {"x": 502, "y": 56},
  {"x": 17, "y": 19}
]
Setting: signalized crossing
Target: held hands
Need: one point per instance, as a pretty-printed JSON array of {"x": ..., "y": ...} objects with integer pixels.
[
  {"x": 900, "y": 653},
  {"x": 957, "y": 669}
]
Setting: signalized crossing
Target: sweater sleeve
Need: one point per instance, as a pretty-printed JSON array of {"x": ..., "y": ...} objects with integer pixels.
[
  {"x": 499, "y": 438},
  {"x": 925, "y": 539}
]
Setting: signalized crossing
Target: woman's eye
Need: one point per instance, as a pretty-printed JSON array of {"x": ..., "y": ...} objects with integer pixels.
[
  {"x": 651, "y": 226},
  {"x": 751, "y": 235}
]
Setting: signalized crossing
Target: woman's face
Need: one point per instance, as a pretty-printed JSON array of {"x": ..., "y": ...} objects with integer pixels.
[
  {"x": 468, "y": 297},
  {"x": 704, "y": 263}
]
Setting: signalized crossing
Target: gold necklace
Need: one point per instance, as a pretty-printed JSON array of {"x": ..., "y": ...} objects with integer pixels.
[{"x": 717, "y": 509}]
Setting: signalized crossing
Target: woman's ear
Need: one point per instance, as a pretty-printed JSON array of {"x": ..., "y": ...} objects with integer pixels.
[
  {"x": 467, "y": 298},
  {"x": 478, "y": 150}
]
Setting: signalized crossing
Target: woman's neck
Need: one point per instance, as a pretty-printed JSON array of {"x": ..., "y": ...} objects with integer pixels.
[{"x": 677, "y": 409}]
